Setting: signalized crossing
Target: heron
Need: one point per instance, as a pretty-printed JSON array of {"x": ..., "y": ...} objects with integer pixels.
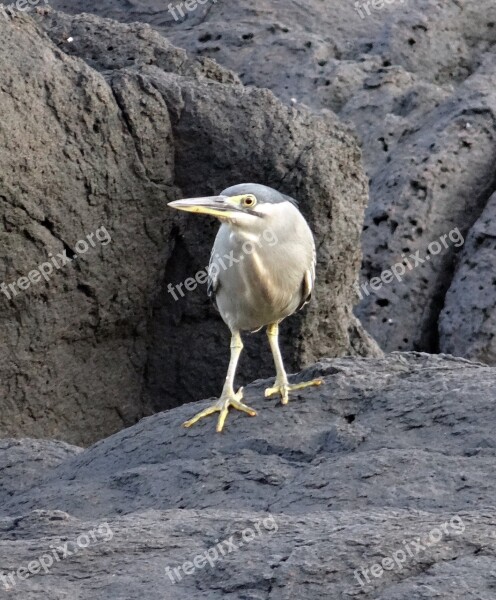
[{"x": 261, "y": 270}]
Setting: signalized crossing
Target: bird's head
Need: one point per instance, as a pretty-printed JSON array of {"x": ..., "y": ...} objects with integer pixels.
[{"x": 247, "y": 205}]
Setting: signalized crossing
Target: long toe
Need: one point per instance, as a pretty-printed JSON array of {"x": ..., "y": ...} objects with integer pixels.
[
  {"x": 222, "y": 406},
  {"x": 300, "y": 386},
  {"x": 231, "y": 402},
  {"x": 204, "y": 413},
  {"x": 283, "y": 389}
]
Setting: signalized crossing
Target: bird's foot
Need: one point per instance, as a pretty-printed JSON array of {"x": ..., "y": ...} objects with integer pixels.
[
  {"x": 222, "y": 406},
  {"x": 283, "y": 388}
]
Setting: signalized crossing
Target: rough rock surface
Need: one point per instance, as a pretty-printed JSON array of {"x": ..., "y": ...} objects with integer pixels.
[
  {"x": 416, "y": 80},
  {"x": 388, "y": 454},
  {"x": 468, "y": 321},
  {"x": 23, "y": 462},
  {"x": 106, "y": 137}
]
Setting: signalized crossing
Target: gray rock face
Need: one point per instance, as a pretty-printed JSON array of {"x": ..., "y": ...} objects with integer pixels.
[
  {"x": 415, "y": 79},
  {"x": 24, "y": 462},
  {"x": 95, "y": 145},
  {"x": 388, "y": 454},
  {"x": 449, "y": 176},
  {"x": 73, "y": 346},
  {"x": 468, "y": 321}
]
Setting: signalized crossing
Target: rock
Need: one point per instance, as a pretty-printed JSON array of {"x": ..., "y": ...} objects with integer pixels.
[
  {"x": 23, "y": 462},
  {"x": 74, "y": 349},
  {"x": 468, "y": 321},
  {"x": 391, "y": 459},
  {"x": 151, "y": 555},
  {"x": 410, "y": 77},
  {"x": 138, "y": 46},
  {"x": 441, "y": 42},
  {"x": 434, "y": 187},
  {"x": 92, "y": 155}
]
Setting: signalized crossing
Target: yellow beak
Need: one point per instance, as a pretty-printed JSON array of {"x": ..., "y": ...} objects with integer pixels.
[{"x": 217, "y": 206}]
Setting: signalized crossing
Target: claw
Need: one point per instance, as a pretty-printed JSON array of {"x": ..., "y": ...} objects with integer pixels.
[{"x": 222, "y": 406}]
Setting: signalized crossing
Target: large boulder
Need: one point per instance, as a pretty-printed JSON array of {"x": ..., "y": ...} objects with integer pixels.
[
  {"x": 415, "y": 79},
  {"x": 73, "y": 344},
  {"x": 98, "y": 136},
  {"x": 377, "y": 485}
]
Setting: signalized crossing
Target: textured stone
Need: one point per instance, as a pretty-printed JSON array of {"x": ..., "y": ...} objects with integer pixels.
[
  {"x": 468, "y": 322},
  {"x": 74, "y": 347},
  {"x": 387, "y": 454},
  {"x": 24, "y": 462},
  {"x": 436, "y": 180}
]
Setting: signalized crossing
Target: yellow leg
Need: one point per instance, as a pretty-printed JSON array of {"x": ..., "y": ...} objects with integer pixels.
[
  {"x": 228, "y": 397},
  {"x": 281, "y": 385}
]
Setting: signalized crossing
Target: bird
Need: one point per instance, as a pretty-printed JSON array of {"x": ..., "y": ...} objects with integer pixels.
[{"x": 261, "y": 270}]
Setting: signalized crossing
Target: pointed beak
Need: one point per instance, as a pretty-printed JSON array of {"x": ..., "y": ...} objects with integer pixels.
[{"x": 218, "y": 206}]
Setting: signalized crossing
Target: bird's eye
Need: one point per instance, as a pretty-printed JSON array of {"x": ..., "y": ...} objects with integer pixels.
[{"x": 249, "y": 201}]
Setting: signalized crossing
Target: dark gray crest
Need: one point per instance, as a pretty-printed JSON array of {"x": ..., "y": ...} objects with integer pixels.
[{"x": 262, "y": 193}]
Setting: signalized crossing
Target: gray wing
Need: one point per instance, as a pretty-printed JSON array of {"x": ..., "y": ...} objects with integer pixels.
[
  {"x": 308, "y": 282},
  {"x": 213, "y": 280}
]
